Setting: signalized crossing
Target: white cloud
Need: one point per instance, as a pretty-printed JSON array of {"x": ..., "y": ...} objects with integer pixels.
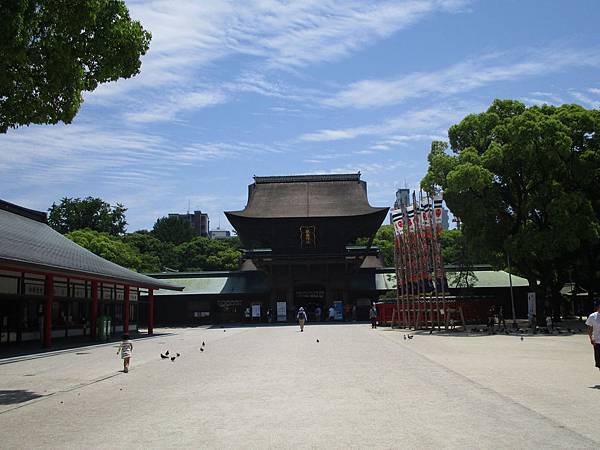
[
  {"x": 461, "y": 77},
  {"x": 168, "y": 110},
  {"x": 427, "y": 119},
  {"x": 595, "y": 91},
  {"x": 189, "y": 36},
  {"x": 586, "y": 100}
]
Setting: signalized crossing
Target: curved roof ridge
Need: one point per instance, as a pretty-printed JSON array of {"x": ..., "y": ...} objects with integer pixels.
[{"x": 308, "y": 178}]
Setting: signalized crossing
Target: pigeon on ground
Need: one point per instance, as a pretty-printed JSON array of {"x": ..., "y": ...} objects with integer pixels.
[
  {"x": 201, "y": 349},
  {"x": 173, "y": 358},
  {"x": 404, "y": 337},
  {"x": 224, "y": 331},
  {"x": 178, "y": 355},
  {"x": 317, "y": 341},
  {"x": 167, "y": 353},
  {"x": 409, "y": 336},
  {"x": 163, "y": 356},
  {"x": 203, "y": 344},
  {"x": 521, "y": 337}
]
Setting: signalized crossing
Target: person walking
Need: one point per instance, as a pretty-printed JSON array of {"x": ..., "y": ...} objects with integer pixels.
[
  {"x": 331, "y": 313},
  {"x": 269, "y": 315},
  {"x": 301, "y": 316},
  {"x": 593, "y": 327},
  {"x": 126, "y": 347},
  {"x": 373, "y": 316}
]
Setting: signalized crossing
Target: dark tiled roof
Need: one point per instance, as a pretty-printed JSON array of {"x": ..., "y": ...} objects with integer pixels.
[
  {"x": 28, "y": 243},
  {"x": 340, "y": 195},
  {"x": 308, "y": 178}
]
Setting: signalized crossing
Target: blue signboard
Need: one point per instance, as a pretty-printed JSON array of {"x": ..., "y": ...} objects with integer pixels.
[{"x": 339, "y": 310}]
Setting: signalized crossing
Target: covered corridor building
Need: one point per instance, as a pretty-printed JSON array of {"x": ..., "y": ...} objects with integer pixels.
[{"x": 51, "y": 287}]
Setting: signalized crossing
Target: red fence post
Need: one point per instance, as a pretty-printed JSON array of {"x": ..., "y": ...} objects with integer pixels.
[
  {"x": 126, "y": 310},
  {"x": 49, "y": 291},
  {"x": 94, "y": 312}
]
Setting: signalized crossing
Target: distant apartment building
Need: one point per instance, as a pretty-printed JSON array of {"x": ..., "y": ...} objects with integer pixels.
[
  {"x": 198, "y": 220},
  {"x": 220, "y": 234},
  {"x": 402, "y": 198}
]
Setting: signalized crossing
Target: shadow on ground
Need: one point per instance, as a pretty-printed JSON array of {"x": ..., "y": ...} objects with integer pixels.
[
  {"x": 34, "y": 349},
  {"x": 13, "y": 397}
]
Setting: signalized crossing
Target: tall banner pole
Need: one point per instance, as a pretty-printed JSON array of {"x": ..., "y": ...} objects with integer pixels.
[
  {"x": 398, "y": 225},
  {"x": 411, "y": 272},
  {"x": 426, "y": 255},
  {"x": 437, "y": 209},
  {"x": 405, "y": 276},
  {"x": 434, "y": 260},
  {"x": 419, "y": 257}
]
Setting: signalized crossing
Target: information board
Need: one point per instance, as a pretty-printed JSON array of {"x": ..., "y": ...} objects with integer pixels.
[
  {"x": 281, "y": 311},
  {"x": 339, "y": 310}
]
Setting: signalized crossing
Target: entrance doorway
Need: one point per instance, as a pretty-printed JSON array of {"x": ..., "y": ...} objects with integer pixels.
[{"x": 312, "y": 298}]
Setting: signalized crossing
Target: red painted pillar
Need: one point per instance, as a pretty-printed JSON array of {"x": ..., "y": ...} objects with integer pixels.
[
  {"x": 126, "y": 311},
  {"x": 150, "y": 311},
  {"x": 94, "y": 312},
  {"x": 49, "y": 291}
]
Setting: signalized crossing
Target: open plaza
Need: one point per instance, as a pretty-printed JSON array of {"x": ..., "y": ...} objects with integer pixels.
[
  {"x": 273, "y": 224},
  {"x": 272, "y": 386}
]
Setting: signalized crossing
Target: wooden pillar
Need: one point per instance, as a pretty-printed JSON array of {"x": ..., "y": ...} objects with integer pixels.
[
  {"x": 49, "y": 292},
  {"x": 150, "y": 311},
  {"x": 94, "y": 311},
  {"x": 126, "y": 310}
]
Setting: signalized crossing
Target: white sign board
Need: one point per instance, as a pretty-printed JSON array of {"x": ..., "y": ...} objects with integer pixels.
[
  {"x": 530, "y": 304},
  {"x": 281, "y": 311},
  {"x": 256, "y": 311}
]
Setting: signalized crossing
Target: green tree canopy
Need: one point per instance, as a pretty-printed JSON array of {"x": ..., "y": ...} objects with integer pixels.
[
  {"x": 75, "y": 214},
  {"x": 149, "y": 246},
  {"x": 173, "y": 229},
  {"x": 113, "y": 249},
  {"x": 53, "y": 50},
  {"x": 520, "y": 179},
  {"x": 202, "y": 253}
]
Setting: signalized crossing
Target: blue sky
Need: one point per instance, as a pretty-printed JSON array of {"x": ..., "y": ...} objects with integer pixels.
[{"x": 229, "y": 90}]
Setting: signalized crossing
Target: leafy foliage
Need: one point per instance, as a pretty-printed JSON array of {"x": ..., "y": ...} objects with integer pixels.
[
  {"x": 384, "y": 239},
  {"x": 521, "y": 180},
  {"x": 76, "y": 214},
  {"x": 175, "y": 230},
  {"x": 202, "y": 253},
  {"x": 52, "y": 51},
  {"x": 109, "y": 247}
]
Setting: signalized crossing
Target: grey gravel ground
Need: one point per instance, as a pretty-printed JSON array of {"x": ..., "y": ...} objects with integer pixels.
[{"x": 276, "y": 387}]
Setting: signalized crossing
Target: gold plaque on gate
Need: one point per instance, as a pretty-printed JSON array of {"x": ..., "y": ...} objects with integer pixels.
[{"x": 307, "y": 237}]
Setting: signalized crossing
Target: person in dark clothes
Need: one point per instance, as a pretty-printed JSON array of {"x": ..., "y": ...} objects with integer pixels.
[{"x": 373, "y": 316}]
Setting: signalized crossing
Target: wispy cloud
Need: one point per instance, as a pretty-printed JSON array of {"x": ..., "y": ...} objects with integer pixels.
[
  {"x": 429, "y": 119},
  {"x": 462, "y": 77},
  {"x": 189, "y": 37},
  {"x": 168, "y": 110},
  {"x": 586, "y": 99}
]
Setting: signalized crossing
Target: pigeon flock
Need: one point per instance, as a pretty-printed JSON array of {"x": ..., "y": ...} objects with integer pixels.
[{"x": 165, "y": 355}]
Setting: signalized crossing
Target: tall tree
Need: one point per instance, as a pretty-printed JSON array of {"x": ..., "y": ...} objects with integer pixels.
[
  {"x": 112, "y": 248},
  {"x": 173, "y": 229},
  {"x": 94, "y": 213},
  {"x": 54, "y": 50},
  {"x": 517, "y": 179},
  {"x": 202, "y": 253},
  {"x": 162, "y": 253}
]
